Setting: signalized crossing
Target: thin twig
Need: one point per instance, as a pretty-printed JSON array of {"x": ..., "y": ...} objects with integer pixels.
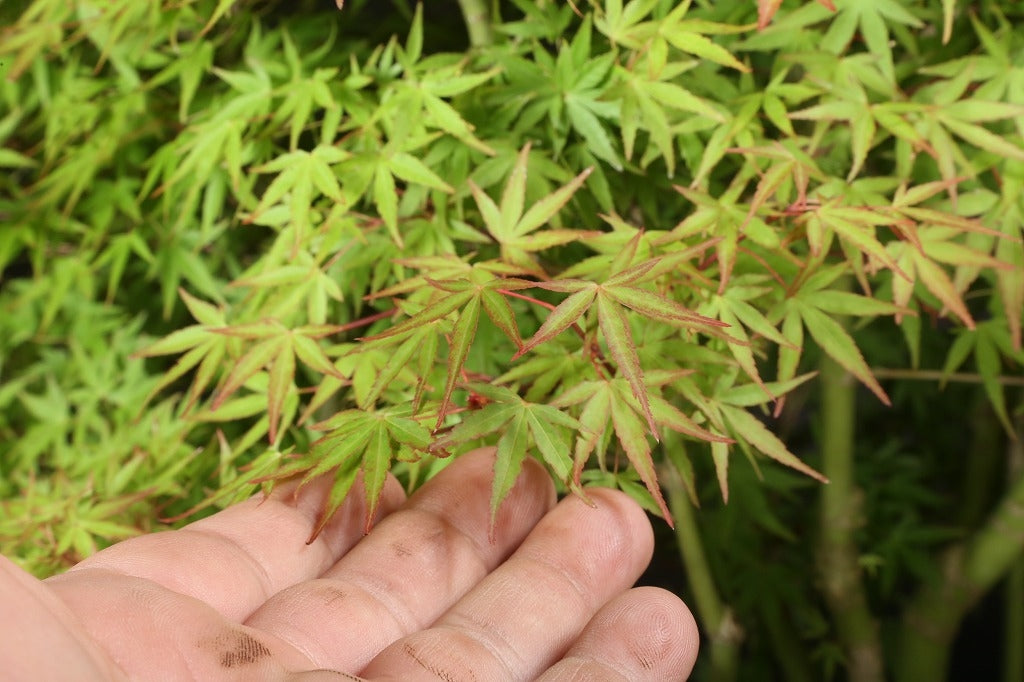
[
  {"x": 368, "y": 320},
  {"x": 936, "y": 375}
]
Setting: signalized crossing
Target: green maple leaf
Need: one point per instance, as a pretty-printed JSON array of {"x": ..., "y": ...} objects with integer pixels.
[
  {"x": 622, "y": 25},
  {"x": 955, "y": 107},
  {"x": 986, "y": 343},
  {"x": 726, "y": 412},
  {"x": 929, "y": 239},
  {"x": 613, "y": 401},
  {"x": 569, "y": 91},
  {"x": 417, "y": 349},
  {"x": 813, "y": 306},
  {"x": 276, "y": 349},
  {"x": 855, "y": 226},
  {"x": 466, "y": 297},
  {"x": 376, "y": 172},
  {"x": 200, "y": 344},
  {"x": 415, "y": 107},
  {"x": 872, "y": 18},
  {"x": 852, "y": 105},
  {"x": 733, "y": 309},
  {"x": 260, "y": 471},
  {"x": 766, "y": 9},
  {"x": 302, "y": 177},
  {"x": 514, "y": 227},
  {"x": 302, "y": 93},
  {"x": 520, "y": 423},
  {"x": 358, "y": 441},
  {"x": 287, "y": 278},
  {"x": 545, "y": 369},
  {"x": 923, "y": 262},
  {"x": 1011, "y": 280},
  {"x": 729, "y": 221}
]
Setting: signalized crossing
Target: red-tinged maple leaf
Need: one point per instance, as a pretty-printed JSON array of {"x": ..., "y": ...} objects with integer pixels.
[
  {"x": 612, "y": 299},
  {"x": 480, "y": 290},
  {"x": 612, "y": 402}
]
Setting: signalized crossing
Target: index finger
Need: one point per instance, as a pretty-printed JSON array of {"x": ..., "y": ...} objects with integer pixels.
[{"x": 238, "y": 558}]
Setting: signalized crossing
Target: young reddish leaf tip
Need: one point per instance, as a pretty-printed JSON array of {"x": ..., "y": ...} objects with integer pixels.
[{"x": 315, "y": 534}]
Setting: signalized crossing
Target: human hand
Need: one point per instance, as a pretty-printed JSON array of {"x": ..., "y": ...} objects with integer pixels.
[{"x": 424, "y": 596}]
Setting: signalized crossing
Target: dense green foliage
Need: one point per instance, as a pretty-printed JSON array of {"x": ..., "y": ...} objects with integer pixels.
[{"x": 248, "y": 241}]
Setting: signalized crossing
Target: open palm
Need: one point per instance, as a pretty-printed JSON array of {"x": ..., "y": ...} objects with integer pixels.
[{"x": 425, "y": 596}]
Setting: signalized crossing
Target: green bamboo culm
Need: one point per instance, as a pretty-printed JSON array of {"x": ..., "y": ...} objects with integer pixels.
[
  {"x": 839, "y": 570},
  {"x": 715, "y": 618},
  {"x": 1013, "y": 658},
  {"x": 968, "y": 571},
  {"x": 478, "y": 22}
]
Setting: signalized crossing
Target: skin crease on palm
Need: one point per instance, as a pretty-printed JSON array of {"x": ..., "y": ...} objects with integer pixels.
[{"x": 425, "y": 596}]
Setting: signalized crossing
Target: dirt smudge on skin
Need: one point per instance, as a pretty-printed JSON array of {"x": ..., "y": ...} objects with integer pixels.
[
  {"x": 644, "y": 658},
  {"x": 331, "y": 594},
  {"x": 235, "y": 649}
]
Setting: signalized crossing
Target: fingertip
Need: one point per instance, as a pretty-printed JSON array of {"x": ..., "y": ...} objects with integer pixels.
[
  {"x": 646, "y": 634},
  {"x": 628, "y": 516},
  {"x": 674, "y": 637}
]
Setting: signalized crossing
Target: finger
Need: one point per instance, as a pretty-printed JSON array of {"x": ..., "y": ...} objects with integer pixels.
[
  {"x": 39, "y": 639},
  {"x": 236, "y": 559},
  {"x": 152, "y": 633},
  {"x": 411, "y": 568},
  {"x": 522, "y": 617},
  {"x": 644, "y": 635}
]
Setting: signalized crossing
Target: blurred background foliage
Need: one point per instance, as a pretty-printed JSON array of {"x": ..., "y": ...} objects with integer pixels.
[{"x": 180, "y": 177}]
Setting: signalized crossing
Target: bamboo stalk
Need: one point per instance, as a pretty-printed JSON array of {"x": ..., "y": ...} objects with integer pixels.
[
  {"x": 1013, "y": 656},
  {"x": 969, "y": 570},
  {"x": 985, "y": 475},
  {"x": 786, "y": 646},
  {"x": 716, "y": 619},
  {"x": 840, "y": 514},
  {"x": 478, "y": 22}
]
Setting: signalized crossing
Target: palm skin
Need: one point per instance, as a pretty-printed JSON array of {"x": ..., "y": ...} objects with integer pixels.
[{"x": 427, "y": 595}]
